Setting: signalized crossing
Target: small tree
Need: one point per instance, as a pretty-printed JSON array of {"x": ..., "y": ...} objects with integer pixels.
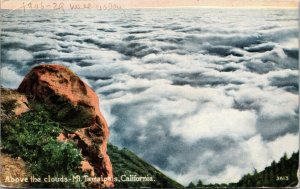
[
  {"x": 199, "y": 184},
  {"x": 191, "y": 185}
]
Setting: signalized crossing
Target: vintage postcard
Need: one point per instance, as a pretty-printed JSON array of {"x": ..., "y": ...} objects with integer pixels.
[{"x": 148, "y": 93}]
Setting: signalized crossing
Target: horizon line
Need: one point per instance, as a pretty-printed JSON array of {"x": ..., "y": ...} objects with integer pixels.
[
  {"x": 216, "y": 7},
  {"x": 148, "y": 4},
  {"x": 162, "y": 7}
]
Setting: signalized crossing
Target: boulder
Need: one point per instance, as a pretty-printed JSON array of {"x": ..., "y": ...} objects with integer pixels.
[{"x": 76, "y": 106}]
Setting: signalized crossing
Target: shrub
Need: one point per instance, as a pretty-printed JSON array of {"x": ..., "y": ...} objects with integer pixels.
[
  {"x": 8, "y": 106},
  {"x": 32, "y": 136}
]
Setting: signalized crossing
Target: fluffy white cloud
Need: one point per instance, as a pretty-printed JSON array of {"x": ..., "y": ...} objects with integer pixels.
[
  {"x": 214, "y": 122},
  {"x": 10, "y": 78},
  {"x": 258, "y": 152},
  {"x": 262, "y": 152},
  {"x": 20, "y": 56},
  {"x": 269, "y": 101},
  {"x": 285, "y": 144}
]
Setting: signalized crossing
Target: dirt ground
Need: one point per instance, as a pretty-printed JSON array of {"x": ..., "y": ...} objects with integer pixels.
[{"x": 13, "y": 172}]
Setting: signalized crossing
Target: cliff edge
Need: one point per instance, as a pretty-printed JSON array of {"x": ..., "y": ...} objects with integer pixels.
[{"x": 74, "y": 105}]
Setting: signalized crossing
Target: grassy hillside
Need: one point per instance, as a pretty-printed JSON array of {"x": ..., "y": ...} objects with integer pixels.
[
  {"x": 127, "y": 163},
  {"x": 279, "y": 174}
]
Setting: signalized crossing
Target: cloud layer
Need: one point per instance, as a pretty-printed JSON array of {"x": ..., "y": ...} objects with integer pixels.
[{"x": 201, "y": 94}]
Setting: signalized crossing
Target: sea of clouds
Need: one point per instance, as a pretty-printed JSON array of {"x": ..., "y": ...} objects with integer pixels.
[{"x": 204, "y": 94}]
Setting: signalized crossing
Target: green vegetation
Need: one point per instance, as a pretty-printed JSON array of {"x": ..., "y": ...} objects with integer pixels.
[
  {"x": 279, "y": 174},
  {"x": 8, "y": 106},
  {"x": 125, "y": 162},
  {"x": 32, "y": 136}
]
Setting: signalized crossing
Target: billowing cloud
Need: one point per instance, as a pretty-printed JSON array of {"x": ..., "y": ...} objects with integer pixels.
[
  {"x": 214, "y": 122},
  {"x": 19, "y": 56},
  {"x": 9, "y": 78}
]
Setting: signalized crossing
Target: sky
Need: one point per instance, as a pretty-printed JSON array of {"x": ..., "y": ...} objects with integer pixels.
[{"x": 15, "y": 4}]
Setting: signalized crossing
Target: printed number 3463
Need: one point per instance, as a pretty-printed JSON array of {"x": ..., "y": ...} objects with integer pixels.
[{"x": 282, "y": 178}]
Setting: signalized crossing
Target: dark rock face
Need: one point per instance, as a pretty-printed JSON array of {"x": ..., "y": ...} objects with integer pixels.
[{"x": 76, "y": 106}]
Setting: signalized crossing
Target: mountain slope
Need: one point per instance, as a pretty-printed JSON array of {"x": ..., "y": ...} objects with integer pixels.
[
  {"x": 126, "y": 163},
  {"x": 279, "y": 174}
]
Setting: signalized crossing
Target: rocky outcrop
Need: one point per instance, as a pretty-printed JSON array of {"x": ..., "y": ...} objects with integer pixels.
[
  {"x": 76, "y": 106},
  {"x": 13, "y": 101}
]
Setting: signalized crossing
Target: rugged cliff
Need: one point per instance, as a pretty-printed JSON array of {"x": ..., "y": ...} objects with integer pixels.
[{"x": 75, "y": 106}]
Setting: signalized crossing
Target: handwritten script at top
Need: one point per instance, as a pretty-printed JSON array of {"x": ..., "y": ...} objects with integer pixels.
[{"x": 41, "y": 5}]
